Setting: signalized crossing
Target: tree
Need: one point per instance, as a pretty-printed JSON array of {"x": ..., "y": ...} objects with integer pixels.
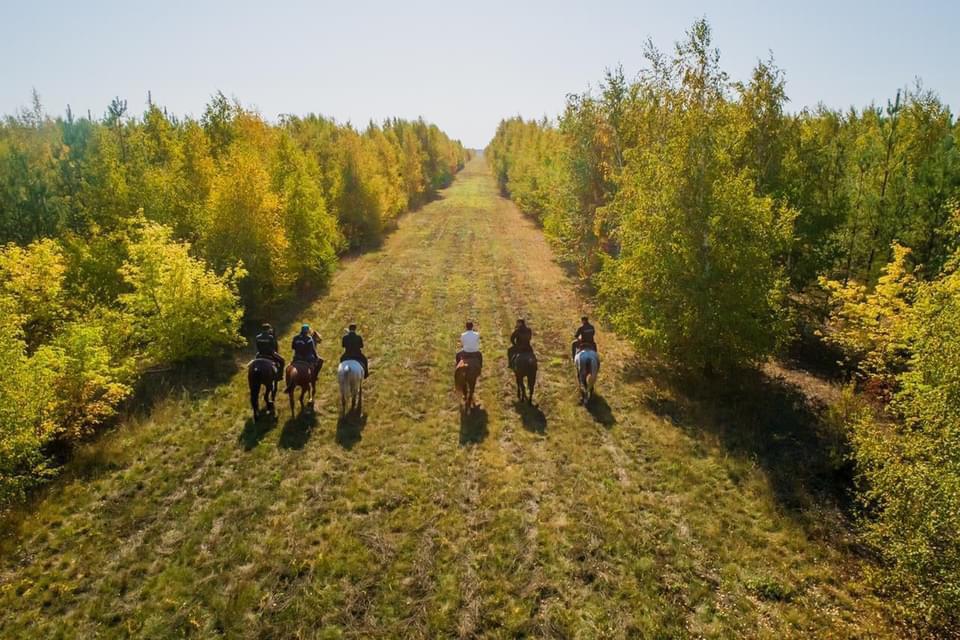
[
  {"x": 246, "y": 224},
  {"x": 168, "y": 288},
  {"x": 696, "y": 277}
]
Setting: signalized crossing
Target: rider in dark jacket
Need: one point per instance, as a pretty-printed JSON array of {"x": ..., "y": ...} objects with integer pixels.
[
  {"x": 519, "y": 341},
  {"x": 305, "y": 349},
  {"x": 584, "y": 338},
  {"x": 268, "y": 348},
  {"x": 352, "y": 345}
]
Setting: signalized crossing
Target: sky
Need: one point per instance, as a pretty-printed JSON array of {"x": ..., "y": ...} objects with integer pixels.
[{"x": 463, "y": 65}]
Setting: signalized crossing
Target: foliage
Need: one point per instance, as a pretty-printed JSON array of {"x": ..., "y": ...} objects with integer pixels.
[
  {"x": 909, "y": 457},
  {"x": 868, "y": 326},
  {"x": 34, "y": 278},
  {"x": 168, "y": 287}
]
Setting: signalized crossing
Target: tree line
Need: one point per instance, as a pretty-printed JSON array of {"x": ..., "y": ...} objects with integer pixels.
[
  {"x": 128, "y": 243},
  {"x": 717, "y": 227}
]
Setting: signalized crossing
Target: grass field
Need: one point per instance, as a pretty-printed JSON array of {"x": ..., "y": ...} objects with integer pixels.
[{"x": 655, "y": 513}]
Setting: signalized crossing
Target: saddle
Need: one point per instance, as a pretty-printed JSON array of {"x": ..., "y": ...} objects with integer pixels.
[
  {"x": 309, "y": 365},
  {"x": 273, "y": 364}
]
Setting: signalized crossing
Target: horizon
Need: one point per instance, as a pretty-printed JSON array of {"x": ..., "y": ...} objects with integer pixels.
[{"x": 529, "y": 63}]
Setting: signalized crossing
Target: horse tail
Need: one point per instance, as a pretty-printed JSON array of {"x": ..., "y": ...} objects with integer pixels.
[
  {"x": 592, "y": 368},
  {"x": 253, "y": 380}
]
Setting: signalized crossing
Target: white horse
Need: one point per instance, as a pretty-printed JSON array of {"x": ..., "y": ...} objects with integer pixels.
[
  {"x": 587, "y": 363},
  {"x": 350, "y": 379}
]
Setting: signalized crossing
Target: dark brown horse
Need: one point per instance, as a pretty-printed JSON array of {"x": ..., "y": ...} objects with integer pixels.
[
  {"x": 525, "y": 368},
  {"x": 262, "y": 372},
  {"x": 465, "y": 381}
]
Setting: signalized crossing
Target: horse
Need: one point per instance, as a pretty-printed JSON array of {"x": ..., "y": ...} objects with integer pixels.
[
  {"x": 299, "y": 374},
  {"x": 350, "y": 380},
  {"x": 262, "y": 372},
  {"x": 465, "y": 380},
  {"x": 525, "y": 366},
  {"x": 587, "y": 363}
]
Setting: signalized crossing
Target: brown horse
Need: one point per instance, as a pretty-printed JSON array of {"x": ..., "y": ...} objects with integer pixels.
[
  {"x": 465, "y": 380},
  {"x": 525, "y": 367},
  {"x": 301, "y": 374},
  {"x": 262, "y": 372}
]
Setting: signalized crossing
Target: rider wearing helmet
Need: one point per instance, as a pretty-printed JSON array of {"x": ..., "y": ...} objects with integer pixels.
[
  {"x": 519, "y": 342},
  {"x": 268, "y": 349},
  {"x": 305, "y": 349},
  {"x": 352, "y": 344},
  {"x": 584, "y": 338}
]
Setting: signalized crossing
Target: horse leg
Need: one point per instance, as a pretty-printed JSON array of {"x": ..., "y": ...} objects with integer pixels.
[
  {"x": 254, "y": 396},
  {"x": 532, "y": 382}
]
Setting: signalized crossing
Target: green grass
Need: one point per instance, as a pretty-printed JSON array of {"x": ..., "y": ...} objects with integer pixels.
[{"x": 651, "y": 515}]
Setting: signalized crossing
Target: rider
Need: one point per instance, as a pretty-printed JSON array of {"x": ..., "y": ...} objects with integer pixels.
[
  {"x": 352, "y": 345},
  {"x": 519, "y": 342},
  {"x": 470, "y": 345},
  {"x": 584, "y": 338},
  {"x": 268, "y": 348},
  {"x": 305, "y": 350}
]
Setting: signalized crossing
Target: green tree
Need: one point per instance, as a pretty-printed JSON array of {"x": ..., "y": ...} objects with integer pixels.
[{"x": 181, "y": 308}]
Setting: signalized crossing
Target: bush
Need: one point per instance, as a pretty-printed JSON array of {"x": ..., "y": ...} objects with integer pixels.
[
  {"x": 180, "y": 308},
  {"x": 909, "y": 459}
]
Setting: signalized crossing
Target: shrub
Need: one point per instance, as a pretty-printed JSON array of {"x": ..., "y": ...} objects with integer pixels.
[{"x": 181, "y": 309}]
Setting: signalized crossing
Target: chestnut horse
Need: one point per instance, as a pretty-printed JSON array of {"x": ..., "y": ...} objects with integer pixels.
[
  {"x": 465, "y": 380},
  {"x": 301, "y": 374}
]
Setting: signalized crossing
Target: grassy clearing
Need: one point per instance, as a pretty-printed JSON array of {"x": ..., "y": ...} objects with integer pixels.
[{"x": 651, "y": 515}]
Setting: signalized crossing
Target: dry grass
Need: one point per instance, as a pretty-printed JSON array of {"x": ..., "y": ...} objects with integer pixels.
[{"x": 628, "y": 520}]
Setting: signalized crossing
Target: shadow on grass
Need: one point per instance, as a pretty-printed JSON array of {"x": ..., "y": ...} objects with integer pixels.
[
  {"x": 473, "y": 426},
  {"x": 350, "y": 429},
  {"x": 601, "y": 411},
  {"x": 190, "y": 379},
  {"x": 531, "y": 416},
  {"x": 297, "y": 430},
  {"x": 772, "y": 424},
  {"x": 256, "y": 430}
]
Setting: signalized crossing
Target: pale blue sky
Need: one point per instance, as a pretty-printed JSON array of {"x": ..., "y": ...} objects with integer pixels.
[{"x": 463, "y": 65}]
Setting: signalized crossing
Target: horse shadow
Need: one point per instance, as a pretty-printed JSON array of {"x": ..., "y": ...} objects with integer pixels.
[
  {"x": 533, "y": 419},
  {"x": 297, "y": 430},
  {"x": 350, "y": 429},
  {"x": 473, "y": 426},
  {"x": 601, "y": 411},
  {"x": 254, "y": 431}
]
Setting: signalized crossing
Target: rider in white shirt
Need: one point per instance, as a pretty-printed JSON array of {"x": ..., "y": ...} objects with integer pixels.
[{"x": 470, "y": 345}]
